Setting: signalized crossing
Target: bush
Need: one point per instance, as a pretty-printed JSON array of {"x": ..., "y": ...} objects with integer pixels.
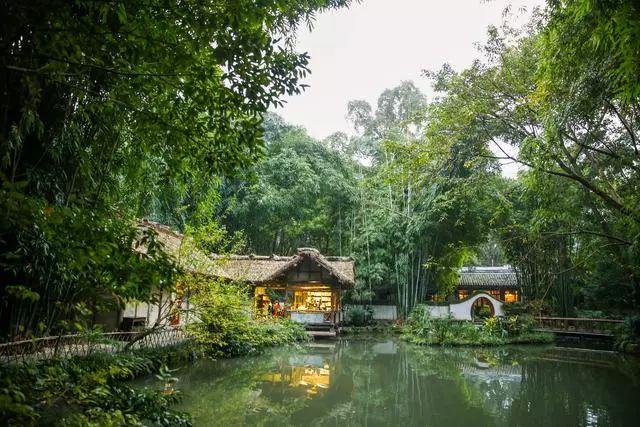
[
  {"x": 90, "y": 391},
  {"x": 628, "y": 335},
  {"x": 493, "y": 327},
  {"x": 226, "y": 327},
  {"x": 532, "y": 308},
  {"x": 518, "y": 325},
  {"x": 631, "y": 326},
  {"x": 592, "y": 314},
  {"x": 359, "y": 315},
  {"x": 515, "y": 308},
  {"x": 481, "y": 312},
  {"x": 422, "y": 328}
]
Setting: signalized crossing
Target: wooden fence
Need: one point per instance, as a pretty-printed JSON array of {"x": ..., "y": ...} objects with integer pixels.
[
  {"x": 84, "y": 345},
  {"x": 579, "y": 325}
]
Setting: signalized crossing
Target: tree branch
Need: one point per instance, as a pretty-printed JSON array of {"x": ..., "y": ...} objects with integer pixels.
[
  {"x": 626, "y": 125},
  {"x": 589, "y": 232}
]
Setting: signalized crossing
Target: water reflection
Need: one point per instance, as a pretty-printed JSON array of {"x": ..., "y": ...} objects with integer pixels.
[
  {"x": 306, "y": 373},
  {"x": 385, "y": 382}
]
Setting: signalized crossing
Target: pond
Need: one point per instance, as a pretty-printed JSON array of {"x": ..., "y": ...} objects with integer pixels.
[{"x": 378, "y": 382}]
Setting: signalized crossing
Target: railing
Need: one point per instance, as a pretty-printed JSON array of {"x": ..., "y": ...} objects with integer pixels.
[
  {"x": 84, "y": 345},
  {"x": 578, "y": 325}
]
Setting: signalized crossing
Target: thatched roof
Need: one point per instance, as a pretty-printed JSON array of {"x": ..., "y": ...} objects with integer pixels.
[
  {"x": 171, "y": 240},
  {"x": 260, "y": 269},
  {"x": 487, "y": 277},
  {"x": 255, "y": 269}
]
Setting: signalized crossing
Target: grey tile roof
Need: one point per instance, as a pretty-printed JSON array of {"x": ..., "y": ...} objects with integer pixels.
[{"x": 487, "y": 277}]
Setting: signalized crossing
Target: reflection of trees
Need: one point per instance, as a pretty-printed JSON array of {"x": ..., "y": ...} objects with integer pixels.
[
  {"x": 227, "y": 392},
  {"x": 569, "y": 391},
  {"x": 372, "y": 384},
  {"x": 409, "y": 386},
  {"x": 534, "y": 386},
  {"x": 442, "y": 376}
]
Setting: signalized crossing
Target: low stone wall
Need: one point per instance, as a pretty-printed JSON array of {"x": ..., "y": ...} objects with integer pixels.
[{"x": 462, "y": 310}]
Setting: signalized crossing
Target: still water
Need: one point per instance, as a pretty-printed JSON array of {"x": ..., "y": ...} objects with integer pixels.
[{"x": 381, "y": 382}]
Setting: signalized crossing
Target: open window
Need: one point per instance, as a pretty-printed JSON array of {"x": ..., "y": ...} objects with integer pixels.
[{"x": 312, "y": 300}]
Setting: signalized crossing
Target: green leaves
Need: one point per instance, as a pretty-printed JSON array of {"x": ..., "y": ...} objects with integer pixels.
[
  {"x": 550, "y": 98},
  {"x": 116, "y": 111},
  {"x": 91, "y": 391},
  {"x": 68, "y": 262},
  {"x": 298, "y": 195},
  {"x": 225, "y": 326},
  {"x": 21, "y": 292}
]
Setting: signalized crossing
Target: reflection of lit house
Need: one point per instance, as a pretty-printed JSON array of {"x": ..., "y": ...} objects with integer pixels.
[
  {"x": 307, "y": 286},
  {"x": 309, "y": 378},
  {"x": 499, "y": 282}
]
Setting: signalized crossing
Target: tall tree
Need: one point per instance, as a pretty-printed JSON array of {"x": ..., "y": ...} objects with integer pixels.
[
  {"x": 542, "y": 99},
  {"x": 300, "y": 194}
]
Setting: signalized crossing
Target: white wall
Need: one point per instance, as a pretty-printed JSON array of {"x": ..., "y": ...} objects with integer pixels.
[
  {"x": 151, "y": 311},
  {"x": 380, "y": 312},
  {"x": 462, "y": 310},
  {"x": 385, "y": 312},
  {"x": 438, "y": 311}
]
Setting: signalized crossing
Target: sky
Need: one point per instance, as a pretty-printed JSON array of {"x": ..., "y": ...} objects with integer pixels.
[{"x": 358, "y": 52}]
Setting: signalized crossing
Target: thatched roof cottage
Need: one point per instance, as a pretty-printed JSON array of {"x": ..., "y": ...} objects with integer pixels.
[{"x": 306, "y": 286}]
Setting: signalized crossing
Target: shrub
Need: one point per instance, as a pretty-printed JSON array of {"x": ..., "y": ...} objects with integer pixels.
[
  {"x": 359, "y": 315},
  {"x": 422, "y": 328},
  {"x": 518, "y": 325},
  {"x": 592, "y": 314},
  {"x": 226, "y": 327},
  {"x": 492, "y": 327},
  {"x": 532, "y": 308},
  {"x": 481, "y": 312},
  {"x": 418, "y": 321},
  {"x": 538, "y": 307},
  {"x": 90, "y": 391},
  {"x": 628, "y": 334},
  {"x": 515, "y": 308},
  {"x": 631, "y": 326}
]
